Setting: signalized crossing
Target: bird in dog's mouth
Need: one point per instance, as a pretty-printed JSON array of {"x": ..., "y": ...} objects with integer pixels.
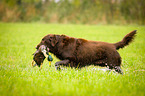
[{"x": 40, "y": 55}]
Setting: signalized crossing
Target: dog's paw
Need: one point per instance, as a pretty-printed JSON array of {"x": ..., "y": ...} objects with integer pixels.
[{"x": 57, "y": 68}]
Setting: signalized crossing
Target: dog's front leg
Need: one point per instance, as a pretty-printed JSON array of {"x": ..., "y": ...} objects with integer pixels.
[{"x": 63, "y": 62}]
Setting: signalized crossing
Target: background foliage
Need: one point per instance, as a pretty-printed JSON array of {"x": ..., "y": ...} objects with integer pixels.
[{"x": 74, "y": 11}]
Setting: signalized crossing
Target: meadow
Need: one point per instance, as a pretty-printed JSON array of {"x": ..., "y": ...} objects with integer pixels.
[{"x": 19, "y": 78}]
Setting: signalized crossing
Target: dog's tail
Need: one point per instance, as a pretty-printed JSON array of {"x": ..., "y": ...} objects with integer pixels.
[{"x": 126, "y": 40}]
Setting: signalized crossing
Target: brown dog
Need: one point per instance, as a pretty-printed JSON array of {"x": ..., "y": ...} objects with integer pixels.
[{"x": 76, "y": 52}]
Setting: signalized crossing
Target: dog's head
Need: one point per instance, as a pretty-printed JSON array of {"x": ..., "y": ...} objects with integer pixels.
[{"x": 49, "y": 41}]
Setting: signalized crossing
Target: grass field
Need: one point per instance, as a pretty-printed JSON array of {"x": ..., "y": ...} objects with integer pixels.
[{"x": 18, "y": 78}]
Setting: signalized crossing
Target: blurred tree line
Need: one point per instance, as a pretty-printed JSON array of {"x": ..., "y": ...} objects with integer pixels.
[{"x": 74, "y": 11}]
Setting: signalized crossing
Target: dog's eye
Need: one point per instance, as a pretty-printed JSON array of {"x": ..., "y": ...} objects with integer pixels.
[{"x": 50, "y": 38}]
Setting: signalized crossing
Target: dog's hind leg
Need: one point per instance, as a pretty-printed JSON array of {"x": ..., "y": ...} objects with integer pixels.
[
  {"x": 114, "y": 62},
  {"x": 118, "y": 69},
  {"x": 63, "y": 62}
]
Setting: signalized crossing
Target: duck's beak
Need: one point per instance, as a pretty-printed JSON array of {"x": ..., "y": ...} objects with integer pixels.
[
  {"x": 41, "y": 66},
  {"x": 33, "y": 63}
]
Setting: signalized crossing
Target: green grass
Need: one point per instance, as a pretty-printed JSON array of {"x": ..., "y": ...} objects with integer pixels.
[{"x": 18, "y": 78}]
